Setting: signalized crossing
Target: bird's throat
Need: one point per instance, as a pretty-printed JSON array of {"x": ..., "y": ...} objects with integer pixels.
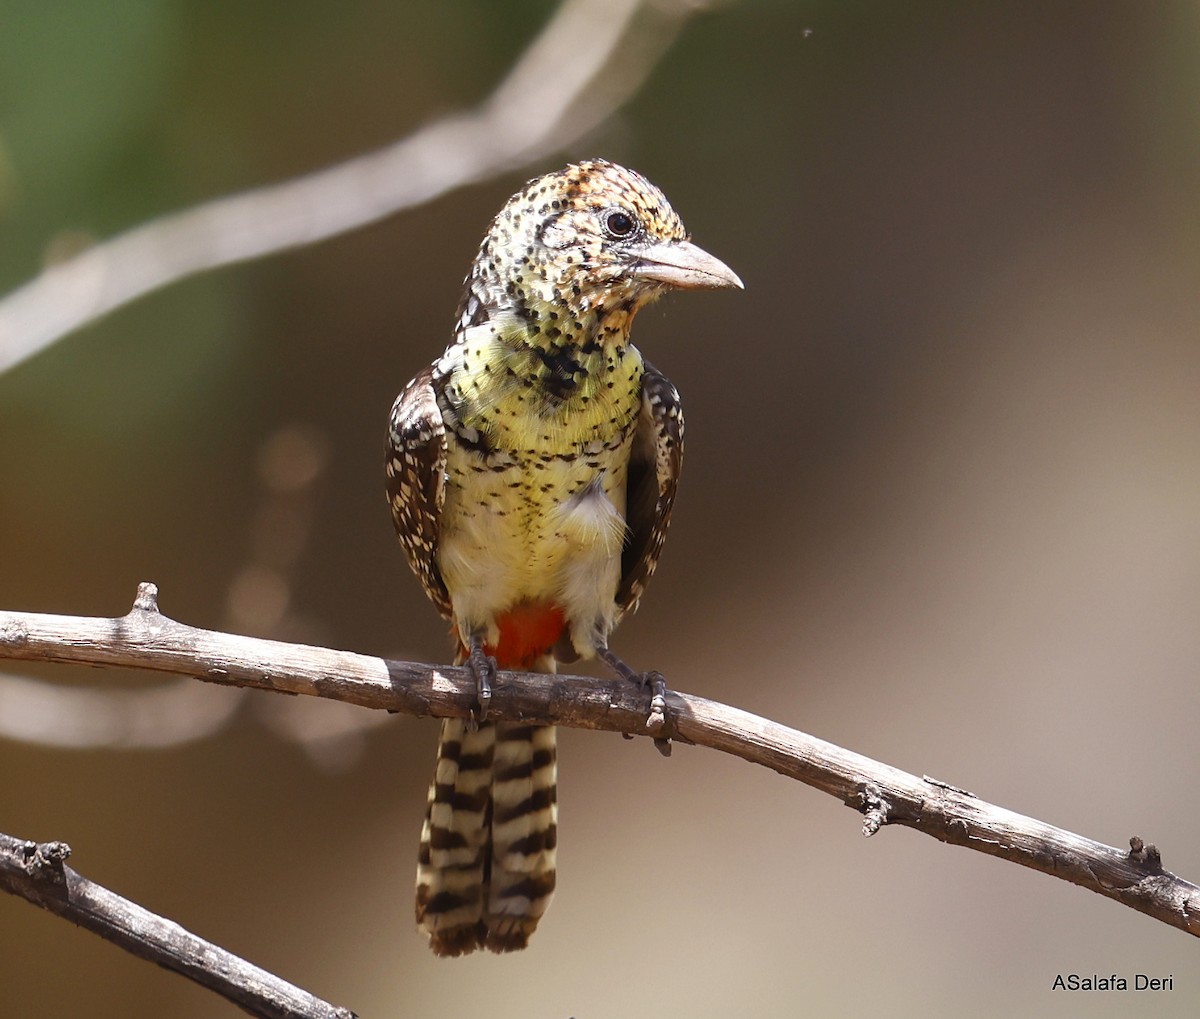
[{"x": 528, "y": 380}]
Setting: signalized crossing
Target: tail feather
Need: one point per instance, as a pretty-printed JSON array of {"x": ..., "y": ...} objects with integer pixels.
[
  {"x": 453, "y": 858},
  {"x": 524, "y": 833},
  {"x": 486, "y": 868}
]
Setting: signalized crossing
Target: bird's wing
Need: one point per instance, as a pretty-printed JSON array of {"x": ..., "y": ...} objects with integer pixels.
[
  {"x": 416, "y": 480},
  {"x": 654, "y": 466}
]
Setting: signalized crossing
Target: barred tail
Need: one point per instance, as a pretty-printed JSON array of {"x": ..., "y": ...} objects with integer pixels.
[
  {"x": 454, "y": 857},
  {"x": 485, "y": 871},
  {"x": 524, "y": 833}
]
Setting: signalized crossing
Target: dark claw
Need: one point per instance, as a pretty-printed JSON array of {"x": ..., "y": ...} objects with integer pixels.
[
  {"x": 483, "y": 668},
  {"x": 657, "y": 719},
  {"x": 656, "y": 683}
]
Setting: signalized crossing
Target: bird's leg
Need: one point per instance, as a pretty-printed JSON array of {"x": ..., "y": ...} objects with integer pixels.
[
  {"x": 653, "y": 680},
  {"x": 483, "y": 668}
]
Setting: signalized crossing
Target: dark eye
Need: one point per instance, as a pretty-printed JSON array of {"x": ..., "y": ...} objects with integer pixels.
[{"x": 619, "y": 224}]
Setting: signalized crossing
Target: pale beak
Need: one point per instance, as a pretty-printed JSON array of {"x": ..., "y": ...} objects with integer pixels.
[{"x": 682, "y": 264}]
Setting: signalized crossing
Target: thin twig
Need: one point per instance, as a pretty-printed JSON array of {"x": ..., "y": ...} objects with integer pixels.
[
  {"x": 38, "y": 873},
  {"x": 583, "y": 51},
  {"x": 146, "y": 639}
]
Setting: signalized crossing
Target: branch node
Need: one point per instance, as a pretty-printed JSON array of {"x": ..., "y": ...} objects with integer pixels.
[
  {"x": 874, "y": 807},
  {"x": 959, "y": 829},
  {"x": 1146, "y": 856},
  {"x": 44, "y": 861},
  {"x": 147, "y": 598}
]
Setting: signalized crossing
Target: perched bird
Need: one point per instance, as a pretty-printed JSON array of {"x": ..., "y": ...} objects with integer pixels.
[{"x": 531, "y": 471}]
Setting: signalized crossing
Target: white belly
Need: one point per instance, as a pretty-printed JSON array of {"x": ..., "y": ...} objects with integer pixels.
[{"x": 537, "y": 528}]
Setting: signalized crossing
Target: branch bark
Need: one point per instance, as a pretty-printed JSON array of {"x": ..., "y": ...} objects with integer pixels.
[
  {"x": 38, "y": 873},
  {"x": 146, "y": 639}
]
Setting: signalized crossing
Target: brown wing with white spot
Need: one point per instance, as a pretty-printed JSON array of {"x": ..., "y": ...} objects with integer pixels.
[
  {"x": 416, "y": 481},
  {"x": 654, "y": 466}
]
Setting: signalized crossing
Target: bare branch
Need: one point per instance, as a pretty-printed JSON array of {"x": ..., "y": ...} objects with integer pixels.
[
  {"x": 146, "y": 639},
  {"x": 582, "y": 51},
  {"x": 39, "y": 874}
]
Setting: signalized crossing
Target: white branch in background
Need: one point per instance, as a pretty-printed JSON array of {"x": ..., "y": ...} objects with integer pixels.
[
  {"x": 84, "y": 718},
  {"x": 590, "y": 58}
]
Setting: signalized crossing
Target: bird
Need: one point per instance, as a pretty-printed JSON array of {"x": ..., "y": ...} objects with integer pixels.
[{"x": 531, "y": 472}]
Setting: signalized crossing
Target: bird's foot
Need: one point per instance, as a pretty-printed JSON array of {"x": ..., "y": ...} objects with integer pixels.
[
  {"x": 656, "y": 683},
  {"x": 483, "y": 668}
]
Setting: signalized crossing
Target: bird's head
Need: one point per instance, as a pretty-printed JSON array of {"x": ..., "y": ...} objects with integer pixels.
[{"x": 593, "y": 239}]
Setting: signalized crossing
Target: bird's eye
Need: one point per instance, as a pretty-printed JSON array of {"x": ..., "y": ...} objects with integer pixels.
[{"x": 619, "y": 224}]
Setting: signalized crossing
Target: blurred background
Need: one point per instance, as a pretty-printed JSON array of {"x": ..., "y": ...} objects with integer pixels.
[{"x": 941, "y": 503}]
